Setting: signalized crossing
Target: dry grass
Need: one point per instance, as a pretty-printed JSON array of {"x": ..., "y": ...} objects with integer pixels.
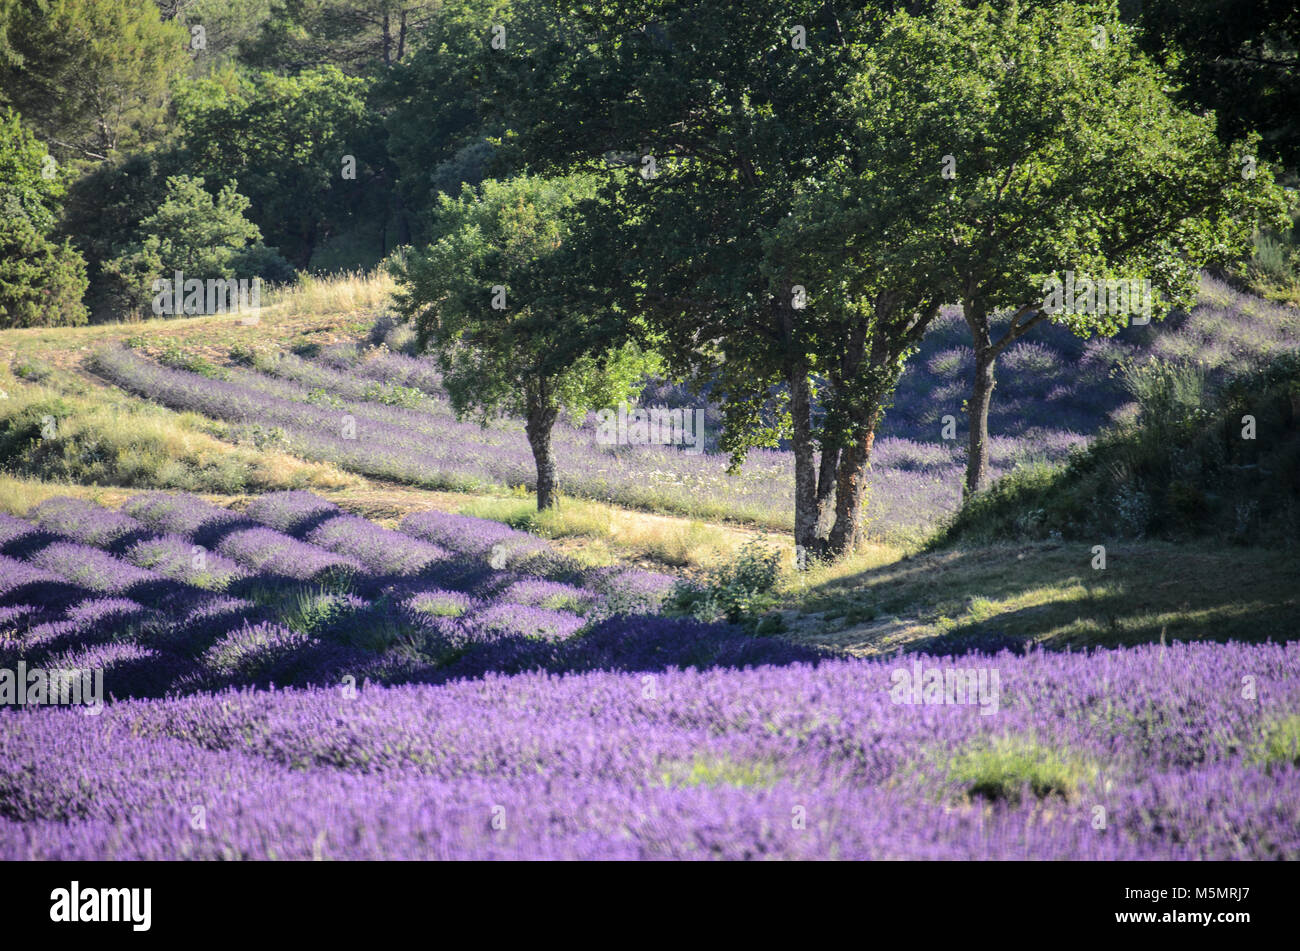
[
  {"x": 345, "y": 293},
  {"x": 609, "y": 531},
  {"x": 106, "y": 438}
]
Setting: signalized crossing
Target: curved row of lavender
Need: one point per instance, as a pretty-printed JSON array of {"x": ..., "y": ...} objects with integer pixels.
[
  {"x": 186, "y": 595},
  {"x": 1054, "y": 392},
  {"x": 1149, "y": 753}
]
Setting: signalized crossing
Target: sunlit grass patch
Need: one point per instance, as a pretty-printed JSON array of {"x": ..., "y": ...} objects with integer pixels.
[
  {"x": 675, "y": 542},
  {"x": 1279, "y": 743},
  {"x": 437, "y": 605},
  {"x": 54, "y": 432},
  {"x": 337, "y": 293},
  {"x": 1005, "y": 768},
  {"x": 709, "y": 770}
]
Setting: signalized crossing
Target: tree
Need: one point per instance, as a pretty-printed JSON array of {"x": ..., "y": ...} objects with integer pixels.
[
  {"x": 437, "y": 124},
  {"x": 230, "y": 28},
  {"x": 500, "y": 298},
  {"x": 1240, "y": 58},
  {"x": 801, "y": 159},
  {"x": 305, "y": 149},
  {"x": 201, "y": 235},
  {"x": 355, "y": 36},
  {"x": 101, "y": 216},
  {"x": 1061, "y": 153},
  {"x": 41, "y": 281},
  {"x": 91, "y": 76},
  {"x": 716, "y": 111}
]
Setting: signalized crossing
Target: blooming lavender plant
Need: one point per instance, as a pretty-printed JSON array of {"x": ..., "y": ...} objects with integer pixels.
[{"x": 88, "y": 523}]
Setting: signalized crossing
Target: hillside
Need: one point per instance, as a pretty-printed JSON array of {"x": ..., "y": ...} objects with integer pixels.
[{"x": 281, "y": 386}]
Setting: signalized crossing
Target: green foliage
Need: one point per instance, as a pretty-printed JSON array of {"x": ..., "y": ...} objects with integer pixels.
[
  {"x": 25, "y": 424},
  {"x": 737, "y": 591},
  {"x": 1069, "y": 154},
  {"x": 285, "y": 139},
  {"x": 201, "y": 235},
  {"x": 92, "y": 76},
  {"x": 355, "y": 35},
  {"x": 393, "y": 394},
  {"x": 195, "y": 232},
  {"x": 41, "y": 281},
  {"x": 1003, "y": 769},
  {"x": 1186, "y": 466},
  {"x": 231, "y": 28},
  {"x": 174, "y": 356},
  {"x": 1245, "y": 65},
  {"x": 720, "y": 771},
  {"x": 31, "y": 369},
  {"x": 438, "y": 121},
  {"x": 26, "y": 187},
  {"x": 551, "y": 347},
  {"x": 101, "y": 217},
  {"x": 1279, "y": 744}
]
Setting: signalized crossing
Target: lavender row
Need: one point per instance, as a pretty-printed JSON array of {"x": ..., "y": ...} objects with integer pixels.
[
  {"x": 257, "y": 548},
  {"x": 438, "y": 451},
  {"x": 174, "y": 556}
]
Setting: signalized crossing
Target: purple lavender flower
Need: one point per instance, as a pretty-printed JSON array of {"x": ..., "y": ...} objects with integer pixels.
[
  {"x": 554, "y": 595},
  {"x": 267, "y": 551},
  {"x": 716, "y": 763},
  {"x": 524, "y": 620},
  {"x": 87, "y": 523}
]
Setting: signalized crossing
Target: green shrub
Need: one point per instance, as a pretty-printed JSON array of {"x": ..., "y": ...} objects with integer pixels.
[
  {"x": 1185, "y": 466},
  {"x": 178, "y": 359},
  {"x": 1004, "y": 769},
  {"x": 26, "y": 423},
  {"x": 1279, "y": 744},
  {"x": 41, "y": 283},
  {"x": 31, "y": 369},
  {"x": 737, "y": 591}
]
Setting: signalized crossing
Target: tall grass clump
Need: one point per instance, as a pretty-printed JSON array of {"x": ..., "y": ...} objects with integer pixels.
[
  {"x": 57, "y": 436},
  {"x": 343, "y": 293}
]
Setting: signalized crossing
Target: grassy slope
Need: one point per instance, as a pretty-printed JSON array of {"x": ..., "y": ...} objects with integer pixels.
[
  {"x": 878, "y": 601},
  {"x": 1049, "y": 593}
]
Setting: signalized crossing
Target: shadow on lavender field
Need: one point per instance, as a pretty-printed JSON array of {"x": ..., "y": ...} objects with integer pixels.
[
  {"x": 178, "y": 595},
  {"x": 1014, "y": 594}
]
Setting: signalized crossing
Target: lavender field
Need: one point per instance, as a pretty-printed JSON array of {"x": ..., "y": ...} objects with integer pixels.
[
  {"x": 383, "y": 414},
  {"x": 294, "y": 682},
  {"x": 1141, "y": 754}
]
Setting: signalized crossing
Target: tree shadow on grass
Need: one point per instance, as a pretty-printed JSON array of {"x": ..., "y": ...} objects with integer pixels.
[{"x": 1005, "y": 596}]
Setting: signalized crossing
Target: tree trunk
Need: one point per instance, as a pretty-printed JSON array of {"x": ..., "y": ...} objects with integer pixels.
[
  {"x": 814, "y": 481},
  {"x": 851, "y": 481},
  {"x": 830, "y": 462},
  {"x": 977, "y": 455},
  {"x": 538, "y": 427},
  {"x": 807, "y": 510}
]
